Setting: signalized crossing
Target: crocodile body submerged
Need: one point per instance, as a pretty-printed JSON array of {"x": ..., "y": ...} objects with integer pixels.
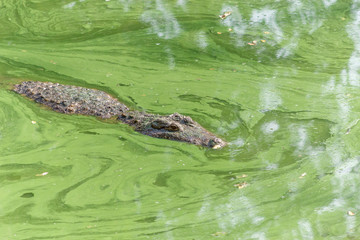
[{"x": 78, "y": 100}]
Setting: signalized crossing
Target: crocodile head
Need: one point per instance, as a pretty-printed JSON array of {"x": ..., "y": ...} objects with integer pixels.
[{"x": 174, "y": 127}]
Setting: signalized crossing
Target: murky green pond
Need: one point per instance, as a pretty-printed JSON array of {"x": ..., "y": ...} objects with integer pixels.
[{"x": 279, "y": 80}]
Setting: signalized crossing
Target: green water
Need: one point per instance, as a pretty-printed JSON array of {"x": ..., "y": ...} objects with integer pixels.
[{"x": 288, "y": 105}]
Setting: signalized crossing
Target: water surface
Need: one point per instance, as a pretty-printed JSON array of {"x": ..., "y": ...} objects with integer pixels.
[{"x": 278, "y": 80}]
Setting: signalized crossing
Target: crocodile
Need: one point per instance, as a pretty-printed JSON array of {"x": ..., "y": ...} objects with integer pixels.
[{"x": 70, "y": 99}]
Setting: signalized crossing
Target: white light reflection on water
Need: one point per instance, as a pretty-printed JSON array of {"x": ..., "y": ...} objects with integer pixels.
[
  {"x": 270, "y": 127},
  {"x": 168, "y": 224},
  {"x": 303, "y": 137},
  {"x": 305, "y": 229},
  {"x": 351, "y": 224},
  {"x": 229, "y": 216},
  {"x": 267, "y": 16},
  {"x": 336, "y": 203},
  {"x": 205, "y": 207},
  {"x": 330, "y": 86},
  {"x": 182, "y": 4},
  {"x": 258, "y": 236},
  {"x": 328, "y": 3},
  {"x": 236, "y": 23},
  {"x": 344, "y": 167},
  {"x": 344, "y": 176},
  {"x": 294, "y": 5},
  {"x": 171, "y": 59},
  {"x": 126, "y": 4},
  {"x": 354, "y": 61},
  {"x": 269, "y": 97},
  {"x": 238, "y": 143},
  {"x": 307, "y": 12},
  {"x": 201, "y": 40},
  {"x": 290, "y": 48},
  {"x": 162, "y": 21},
  {"x": 69, "y": 5},
  {"x": 266, "y": 20}
]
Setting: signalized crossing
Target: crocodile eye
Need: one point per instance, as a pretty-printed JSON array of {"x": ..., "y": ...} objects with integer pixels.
[
  {"x": 176, "y": 116},
  {"x": 158, "y": 124},
  {"x": 188, "y": 121},
  {"x": 172, "y": 127}
]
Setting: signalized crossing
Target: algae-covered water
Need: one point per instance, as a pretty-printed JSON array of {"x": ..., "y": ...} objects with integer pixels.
[{"x": 279, "y": 80}]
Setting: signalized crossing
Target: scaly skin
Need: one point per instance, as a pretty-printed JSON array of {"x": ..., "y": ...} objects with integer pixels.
[
  {"x": 78, "y": 100},
  {"x": 174, "y": 127},
  {"x": 72, "y": 99}
]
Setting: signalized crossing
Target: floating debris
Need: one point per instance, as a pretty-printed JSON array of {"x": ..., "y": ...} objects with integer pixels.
[
  {"x": 242, "y": 176},
  {"x": 219, "y": 33},
  {"x": 252, "y": 43},
  {"x": 42, "y": 174},
  {"x": 33, "y": 122},
  {"x": 230, "y": 29},
  {"x": 263, "y": 41},
  {"x": 350, "y": 213},
  {"x": 266, "y": 32},
  {"x": 241, "y": 185},
  {"x": 218, "y": 234},
  {"x": 225, "y": 15},
  {"x": 303, "y": 175}
]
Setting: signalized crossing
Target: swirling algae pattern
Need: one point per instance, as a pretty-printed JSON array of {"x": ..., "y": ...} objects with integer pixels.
[{"x": 277, "y": 79}]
